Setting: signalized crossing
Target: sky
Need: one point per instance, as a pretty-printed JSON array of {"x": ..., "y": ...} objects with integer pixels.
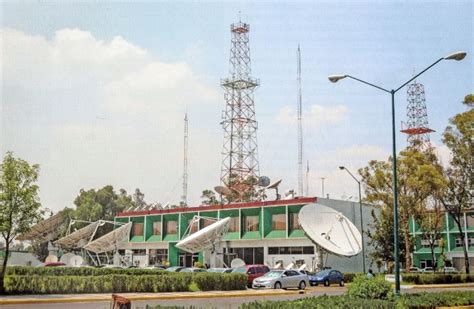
[{"x": 95, "y": 92}]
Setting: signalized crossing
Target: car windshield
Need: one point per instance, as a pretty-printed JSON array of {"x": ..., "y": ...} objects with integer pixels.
[
  {"x": 323, "y": 273},
  {"x": 242, "y": 270},
  {"x": 273, "y": 274}
]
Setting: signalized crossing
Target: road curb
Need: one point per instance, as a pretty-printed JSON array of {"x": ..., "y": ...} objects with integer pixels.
[
  {"x": 108, "y": 297},
  {"x": 439, "y": 286}
]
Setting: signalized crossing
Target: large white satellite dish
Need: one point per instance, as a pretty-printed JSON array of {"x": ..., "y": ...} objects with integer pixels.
[
  {"x": 330, "y": 230},
  {"x": 206, "y": 238},
  {"x": 237, "y": 263},
  {"x": 65, "y": 258}
]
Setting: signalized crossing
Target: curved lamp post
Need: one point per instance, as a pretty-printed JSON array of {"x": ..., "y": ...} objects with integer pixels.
[
  {"x": 361, "y": 219},
  {"x": 335, "y": 78}
]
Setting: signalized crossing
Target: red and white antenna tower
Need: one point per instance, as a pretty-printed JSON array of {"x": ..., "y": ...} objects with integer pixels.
[
  {"x": 417, "y": 117},
  {"x": 240, "y": 157},
  {"x": 300, "y": 125},
  {"x": 185, "y": 162}
]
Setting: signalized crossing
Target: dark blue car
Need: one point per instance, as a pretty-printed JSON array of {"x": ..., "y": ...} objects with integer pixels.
[{"x": 327, "y": 277}]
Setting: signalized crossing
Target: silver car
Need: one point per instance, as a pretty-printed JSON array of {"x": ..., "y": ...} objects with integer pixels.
[{"x": 281, "y": 279}]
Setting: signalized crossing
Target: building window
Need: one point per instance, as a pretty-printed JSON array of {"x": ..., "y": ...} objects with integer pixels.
[
  {"x": 137, "y": 229},
  {"x": 234, "y": 224},
  {"x": 294, "y": 222},
  {"x": 470, "y": 220},
  {"x": 279, "y": 222},
  {"x": 157, "y": 228},
  {"x": 194, "y": 227},
  {"x": 251, "y": 224},
  {"x": 249, "y": 255},
  {"x": 158, "y": 256},
  {"x": 459, "y": 242},
  {"x": 206, "y": 222},
  {"x": 171, "y": 227},
  {"x": 139, "y": 251},
  {"x": 291, "y": 250}
]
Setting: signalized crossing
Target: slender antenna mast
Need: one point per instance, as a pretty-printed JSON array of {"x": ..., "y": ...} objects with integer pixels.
[
  {"x": 185, "y": 162},
  {"x": 300, "y": 127},
  {"x": 307, "y": 178}
]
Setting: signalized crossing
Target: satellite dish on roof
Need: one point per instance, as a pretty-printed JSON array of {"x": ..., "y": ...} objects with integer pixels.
[
  {"x": 223, "y": 190},
  {"x": 330, "y": 230},
  {"x": 237, "y": 263},
  {"x": 302, "y": 267},
  {"x": 263, "y": 181},
  {"x": 207, "y": 238},
  {"x": 275, "y": 184}
]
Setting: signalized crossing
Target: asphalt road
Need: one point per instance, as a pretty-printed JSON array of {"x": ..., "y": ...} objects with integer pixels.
[{"x": 218, "y": 303}]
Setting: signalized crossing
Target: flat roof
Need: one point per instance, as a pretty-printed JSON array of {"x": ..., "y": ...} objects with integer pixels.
[{"x": 295, "y": 201}]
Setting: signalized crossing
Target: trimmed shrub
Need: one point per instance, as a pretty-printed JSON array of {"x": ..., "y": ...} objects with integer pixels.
[
  {"x": 220, "y": 282},
  {"x": 349, "y": 277},
  {"x": 370, "y": 288},
  {"x": 80, "y": 271},
  {"x": 437, "y": 278}
]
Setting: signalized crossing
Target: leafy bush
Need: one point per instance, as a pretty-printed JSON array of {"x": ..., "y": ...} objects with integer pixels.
[
  {"x": 220, "y": 282},
  {"x": 370, "y": 288},
  {"x": 349, "y": 277},
  {"x": 431, "y": 300},
  {"x": 80, "y": 271},
  {"x": 437, "y": 278}
]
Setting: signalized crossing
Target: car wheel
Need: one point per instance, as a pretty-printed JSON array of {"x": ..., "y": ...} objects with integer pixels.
[
  {"x": 277, "y": 286},
  {"x": 341, "y": 283},
  {"x": 302, "y": 285},
  {"x": 326, "y": 283}
]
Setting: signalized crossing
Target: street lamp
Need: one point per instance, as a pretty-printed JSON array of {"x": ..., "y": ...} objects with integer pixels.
[
  {"x": 361, "y": 219},
  {"x": 335, "y": 78}
]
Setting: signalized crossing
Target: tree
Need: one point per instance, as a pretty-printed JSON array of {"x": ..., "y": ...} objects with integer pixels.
[
  {"x": 20, "y": 207},
  {"x": 458, "y": 195},
  {"x": 209, "y": 198},
  {"x": 419, "y": 175},
  {"x": 102, "y": 204},
  {"x": 432, "y": 222}
]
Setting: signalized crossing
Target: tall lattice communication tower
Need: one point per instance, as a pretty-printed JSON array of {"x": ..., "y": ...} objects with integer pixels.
[
  {"x": 300, "y": 125},
  {"x": 240, "y": 157},
  {"x": 417, "y": 117},
  {"x": 184, "y": 198}
]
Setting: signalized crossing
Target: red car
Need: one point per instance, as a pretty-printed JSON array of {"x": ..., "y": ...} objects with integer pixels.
[{"x": 252, "y": 271}]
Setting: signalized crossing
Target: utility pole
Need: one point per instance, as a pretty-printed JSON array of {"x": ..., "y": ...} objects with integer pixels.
[
  {"x": 307, "y": 178},
  {"x": 322, "y": 186},
  {"x": 185, "y": 162},
  {"x": 300, "y": 125}
]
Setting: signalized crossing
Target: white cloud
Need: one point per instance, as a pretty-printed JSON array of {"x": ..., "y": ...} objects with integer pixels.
[
  {"x": 317, "y": 115},
  {"x": 93, "y": 112}
]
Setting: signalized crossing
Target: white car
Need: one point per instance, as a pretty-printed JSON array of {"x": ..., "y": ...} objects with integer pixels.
[
  {"x": 281, "y": 279},
  {"x": 427, "y": 270},
  {"x": 415, "y": 270},
  {"x": 450, "y": 270}
]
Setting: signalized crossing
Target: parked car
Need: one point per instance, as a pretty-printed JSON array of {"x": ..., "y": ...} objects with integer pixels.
[
  {"x": 281, "y": 279},
  {"x": 192, "y": 270},
  {"x": 174, "y": 268},
  {"x": 156, "y": 267},
  {"x": 252, "y": 271},
  {"x": 427, "y": 270},
  {"x": 53, "y": 264},
  {"x": 219, "y": 270},
  {"x": 450, "y": 270},
  {"x": 327, "y": 277},
  {"x": 414, "y": 270},
  {"x": 311, "y": 277}
]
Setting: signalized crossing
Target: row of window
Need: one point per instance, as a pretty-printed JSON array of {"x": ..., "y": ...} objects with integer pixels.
[
  {"x": 291, "y": 250},
  {"x": 249, "y": 224}
]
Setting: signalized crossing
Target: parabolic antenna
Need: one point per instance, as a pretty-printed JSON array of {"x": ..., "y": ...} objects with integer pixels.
[
  {"x": 223, "y": 190},
  {"x": 237, "y": 263},
  {"x": 330, "y": 230},
  {"x": 263, "y": 181},
  {"x": 110, "y": 241},
  {"x": 205, "y": 238},
  {"x": 65, "y": 258},
  {"x": 275, "y": 184},
  {"x": 79, "y": 238},
  {"x": 75, "y": 261}
]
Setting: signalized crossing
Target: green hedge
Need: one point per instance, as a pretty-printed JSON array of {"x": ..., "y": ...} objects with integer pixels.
[
  {"x": 220, "y": 282},
  {"x": 437, "y": 278},
  {"x": 80, "y": 271},
  {"x": 96, "y": 284},
  {"x": 123, "y": 283}
]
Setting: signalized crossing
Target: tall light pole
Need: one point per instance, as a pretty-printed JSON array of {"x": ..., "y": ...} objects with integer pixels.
[
  {"x": 335, "y": 78},
  {"x": 361, "y": 218}
]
